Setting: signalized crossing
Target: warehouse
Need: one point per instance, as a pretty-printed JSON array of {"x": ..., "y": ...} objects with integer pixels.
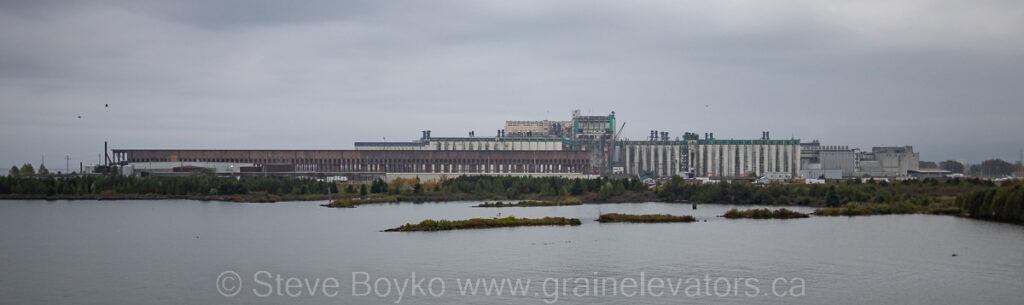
[{"x": 411, "y": 161}]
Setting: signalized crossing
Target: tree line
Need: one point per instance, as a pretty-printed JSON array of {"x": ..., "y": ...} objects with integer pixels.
[
  {"x": 922, "y": 192},
  {"x": 517, "y": 187},
  {"x": 186, "y": 185},
  {"x": 987, "y": 168},
  {"x": 27, "y": 170},
  {"x": 1005, "y": 203}
]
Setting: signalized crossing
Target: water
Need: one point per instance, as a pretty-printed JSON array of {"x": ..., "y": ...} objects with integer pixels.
[{"x": 172, "y": 252}]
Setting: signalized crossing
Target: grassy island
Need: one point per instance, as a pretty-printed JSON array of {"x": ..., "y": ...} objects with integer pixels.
[
  {"x": 353, "y": 202},
  {"x": 341, "y": 203},
  {"x": 764, "y": 214},
  {"x": 530, "y": 203},
  {"x": 648, "y": 218},
  {"x": 484, "y": 223}
]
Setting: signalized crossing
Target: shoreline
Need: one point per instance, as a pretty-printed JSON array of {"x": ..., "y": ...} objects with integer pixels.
[
  {"x": 269, "y": 198},
  {"x": 266, "y": 198}
]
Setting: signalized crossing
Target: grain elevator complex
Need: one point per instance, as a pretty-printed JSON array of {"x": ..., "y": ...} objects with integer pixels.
[
  {"x": 596, "y": 138},
  {"x": 584, "y": 145}
]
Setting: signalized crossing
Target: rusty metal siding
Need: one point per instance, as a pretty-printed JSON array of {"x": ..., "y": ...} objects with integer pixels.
[{"x": 378, "y": 160}]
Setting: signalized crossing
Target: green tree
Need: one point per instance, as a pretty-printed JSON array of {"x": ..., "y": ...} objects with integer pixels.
[
  {"x": 43, "y": 170},
  {"x": 511, "y": 193},
  {"x": 27, "y": 170},
  {"x": 831, "y": 198},
  {"x": 14, "y": 172},
  {"x": 606, "y": 192},
  {"x": 577, "y": 187},
  {"x": 362, "y": 190},
  {"x": 547, "y": 190}
]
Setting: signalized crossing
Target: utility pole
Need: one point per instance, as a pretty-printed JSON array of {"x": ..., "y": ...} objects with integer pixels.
[{"x": 67, "y": 163}]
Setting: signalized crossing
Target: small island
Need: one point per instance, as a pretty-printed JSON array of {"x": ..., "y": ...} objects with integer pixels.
[
  {"x": 353, "y": 202},
  {"x": 764, "y": 214},
  {"x": 647, "y": 218},
  {"x": 484, "y": 223},
  {"x": 530, "y": 203}
]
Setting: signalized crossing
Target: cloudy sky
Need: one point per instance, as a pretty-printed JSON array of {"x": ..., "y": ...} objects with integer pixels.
[{"x": 946, "y": 76}]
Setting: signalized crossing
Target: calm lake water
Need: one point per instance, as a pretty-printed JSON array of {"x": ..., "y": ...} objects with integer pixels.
[{"x": 183, "y": 252}]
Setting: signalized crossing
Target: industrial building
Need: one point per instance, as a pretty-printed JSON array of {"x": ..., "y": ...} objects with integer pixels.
[
  {"x": 836, "y": 162},
  {"x": 710, "y": 157},
  {"x": 583, "y": 145},
  {"x": 658, "y": 156},
  {"x": 589, "y": 134},
  {"x": 426, "y": 162},
  {"x": 831, "y": 162},
  {"x": 890, "y": 161},
  {"x": 468, "y": 143}
]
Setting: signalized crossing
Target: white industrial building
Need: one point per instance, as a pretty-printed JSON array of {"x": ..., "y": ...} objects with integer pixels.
[
  {"x": 468, "y": 143},
  {"x": 890, "y": 161},
  {"x": 710, "y": 158}
]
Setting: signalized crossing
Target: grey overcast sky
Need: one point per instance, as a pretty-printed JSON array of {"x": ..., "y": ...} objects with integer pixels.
[{"x": 946, "y": 76}]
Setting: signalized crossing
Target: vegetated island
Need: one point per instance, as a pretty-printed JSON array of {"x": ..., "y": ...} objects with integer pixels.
[
  {"x": 353, "y": 202},
  {"x": 531, "y": 203},
  {"x": 646, "y": 218},
  {"x": 484, "y": 223},
  {"x": 763, "y": 214}
]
